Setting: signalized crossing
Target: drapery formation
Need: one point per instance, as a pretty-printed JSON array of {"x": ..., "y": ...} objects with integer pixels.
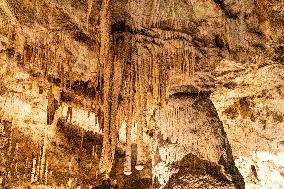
[
  {"x": 130, "y": 78},
  {"x": 134, "y": 71}
]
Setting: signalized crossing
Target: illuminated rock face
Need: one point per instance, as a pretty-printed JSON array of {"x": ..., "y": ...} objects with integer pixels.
[
  {"x": 191, "y": 148},
  {"x": 252, "y": 115},
  {"x": 148, "y": 55}
]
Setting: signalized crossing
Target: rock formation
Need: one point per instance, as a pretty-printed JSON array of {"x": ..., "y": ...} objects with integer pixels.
[
  {"x": 192, "y": 149},
  {"x": 139, "y": 82}
]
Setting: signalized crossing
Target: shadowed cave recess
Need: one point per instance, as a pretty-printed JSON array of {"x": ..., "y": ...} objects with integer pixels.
[{"x": 150, "y": 94}]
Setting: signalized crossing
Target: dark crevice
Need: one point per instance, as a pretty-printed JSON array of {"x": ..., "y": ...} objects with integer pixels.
[
  {"x": 190, "y": 94},
  {"x": 79, "y": 87},
  {"x": 121, "y": 26},
  {"x": 83, "y": 38},
  {"x": 10, "y": 52},
  {"x": 226, "y": 9},
  {"x": 219, "y": 42}
]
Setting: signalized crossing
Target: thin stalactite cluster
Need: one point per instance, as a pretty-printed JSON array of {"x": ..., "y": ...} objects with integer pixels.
[
  {"x": 132, "y": 75},
  {"x": 137, "y": 78}
]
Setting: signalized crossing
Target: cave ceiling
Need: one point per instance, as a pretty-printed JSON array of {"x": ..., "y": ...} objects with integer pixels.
[{"x": 107, "y": 64}]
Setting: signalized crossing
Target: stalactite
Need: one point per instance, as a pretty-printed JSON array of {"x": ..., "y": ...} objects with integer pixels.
[
  {"x": 37, "y": 58},
  {"x": 62, "y": 75},
  {"x": 34, "y": 59},
  {"x": 51, "y": 107},
  {"x": 156, "y": 86},
  {"x": 82, "y": 139},
  {"x": 15, "y": 159},
  {"x": 45, "y": 60},
  {"x": 162, "y": 80},
  {"x": 187, "y": 66},
  {"x": 70, "y": 165},
  {"x": 129, "y": 112},
  {"x": 105, "y": 59},
  {"x": 38, "y": 165},
  {"x": 26, "y": 168},
  {"x": 33, "y": 173},
  {"x": 43, "y": 157},
  {"x": 115, "y": 119},
  {"x": 42, "y": 56},
  {"x": 46, "y": 173},
  {"x": 24, "y": 56},
  {"x": 93, "y": 150},
  {"x": 69, "y": 114},
  {"x": 142, "y": 123},
  {"x": 127, "y": 165},
  {"x": 192, "y": 60},
  {"x": 9, "y": 153}
]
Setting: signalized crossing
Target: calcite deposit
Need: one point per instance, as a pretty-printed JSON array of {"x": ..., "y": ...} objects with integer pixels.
[{"x": 141, "y": 94}]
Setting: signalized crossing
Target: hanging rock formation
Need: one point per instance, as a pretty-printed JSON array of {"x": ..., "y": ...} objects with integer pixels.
[
  {"x": 138, "y": 70},
  {"x": 192, "y": 149}
]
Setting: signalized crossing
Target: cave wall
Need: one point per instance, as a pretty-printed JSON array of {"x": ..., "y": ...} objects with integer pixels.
[{"x": 233, "y": 46}]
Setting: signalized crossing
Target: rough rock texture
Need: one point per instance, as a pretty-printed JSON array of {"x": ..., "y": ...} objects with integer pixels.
[
  {"x": 156, "y": 49},
  {"x": 251, "y": 108},
  {"x": 192, "y": 150}
]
